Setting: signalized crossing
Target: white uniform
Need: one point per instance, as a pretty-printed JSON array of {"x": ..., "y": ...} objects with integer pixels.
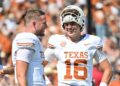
[
  {"x": 74, "y": 59},
  {"x": 27, "y": 47}
]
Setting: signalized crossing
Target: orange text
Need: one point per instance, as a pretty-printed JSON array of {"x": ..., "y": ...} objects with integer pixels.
[{"x": 76, "y": 54}]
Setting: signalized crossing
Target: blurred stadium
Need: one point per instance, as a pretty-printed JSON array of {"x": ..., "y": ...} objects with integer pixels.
[{"x": 102, "y": 19}]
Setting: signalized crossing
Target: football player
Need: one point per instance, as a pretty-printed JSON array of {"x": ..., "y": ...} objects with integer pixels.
[
  {"x": 75, "y": 52},
  {"x": 27, "y": 51}
]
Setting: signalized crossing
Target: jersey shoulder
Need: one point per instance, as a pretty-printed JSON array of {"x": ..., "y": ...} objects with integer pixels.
[
  {"x": 95, "y": 40},
  {"x": 54, "y": 40},
  {"x": 26, "y": 40}
]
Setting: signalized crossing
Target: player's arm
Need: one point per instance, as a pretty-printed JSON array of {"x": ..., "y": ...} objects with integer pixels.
[
  {"x": 22, "y": 62},
  {"x": 105, "y": 66},
  {"x": 49, "y": 54},
  {"x": 21, "y": 70},
  {"x": 107, "y": 71}
]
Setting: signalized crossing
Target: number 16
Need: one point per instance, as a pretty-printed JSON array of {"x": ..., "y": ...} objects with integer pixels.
[{"x": 76, "y": 69}]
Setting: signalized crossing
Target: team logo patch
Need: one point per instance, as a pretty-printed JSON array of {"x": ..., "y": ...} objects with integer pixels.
[{"x": 63, "y": 44}]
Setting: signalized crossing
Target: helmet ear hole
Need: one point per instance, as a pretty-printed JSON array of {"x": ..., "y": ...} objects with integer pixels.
[{"x": 81, "y": 29}]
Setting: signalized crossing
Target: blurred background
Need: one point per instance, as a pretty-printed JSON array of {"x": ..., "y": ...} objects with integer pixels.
[{"x": 102, "y": 19}]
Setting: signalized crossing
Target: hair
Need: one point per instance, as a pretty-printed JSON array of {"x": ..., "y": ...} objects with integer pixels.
[{"x": 33, "y": 14}]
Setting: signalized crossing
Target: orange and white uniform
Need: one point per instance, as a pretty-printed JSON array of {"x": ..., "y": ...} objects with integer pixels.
[
  {"x": 27, "y": 47},
  {"x": 75, "y": 60}
]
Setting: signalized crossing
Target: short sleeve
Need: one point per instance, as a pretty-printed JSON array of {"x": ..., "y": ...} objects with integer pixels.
[
  {"x": 49, "y": 54},
  {"x": 24, "y": 55},
  {"x": 100, "y": 56}
]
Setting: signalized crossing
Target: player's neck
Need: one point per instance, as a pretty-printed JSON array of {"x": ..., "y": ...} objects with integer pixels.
[{"x": 29, "y": 28}]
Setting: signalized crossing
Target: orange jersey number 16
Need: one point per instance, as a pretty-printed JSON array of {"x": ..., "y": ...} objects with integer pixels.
[{"x": 76, "y": 69}]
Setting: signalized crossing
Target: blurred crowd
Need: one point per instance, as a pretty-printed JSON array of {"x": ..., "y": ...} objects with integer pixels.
[{"x": 105, "y": 24}]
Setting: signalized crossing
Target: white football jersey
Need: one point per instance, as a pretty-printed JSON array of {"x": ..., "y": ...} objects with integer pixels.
[
  {"x": 30, "y": 42},
  {"x": 75, "y": 60}
]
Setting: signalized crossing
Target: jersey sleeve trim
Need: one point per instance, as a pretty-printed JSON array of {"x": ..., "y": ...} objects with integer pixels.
[
  {"x": 51, "y": 46},
  {"x": 26, "y": 43}
]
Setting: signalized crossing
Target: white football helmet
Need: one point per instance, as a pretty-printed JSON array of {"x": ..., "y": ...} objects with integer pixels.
[{"x": 72, "y": 13}]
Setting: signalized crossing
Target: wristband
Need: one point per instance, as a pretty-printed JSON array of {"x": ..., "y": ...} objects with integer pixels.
[{"x": 103, "y": 84}]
